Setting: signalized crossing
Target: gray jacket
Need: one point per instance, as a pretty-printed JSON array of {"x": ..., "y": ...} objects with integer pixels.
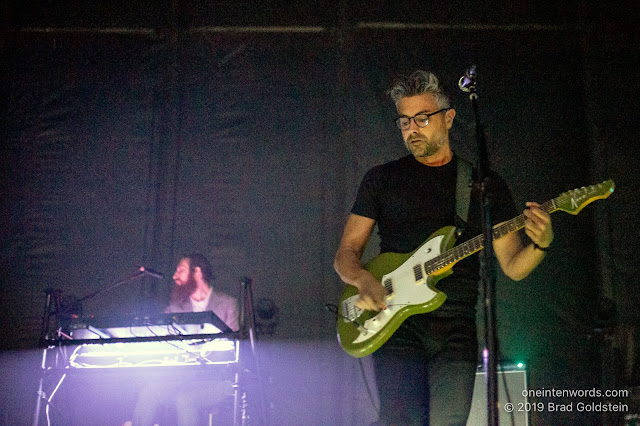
[{"x": 222, "y": 304}]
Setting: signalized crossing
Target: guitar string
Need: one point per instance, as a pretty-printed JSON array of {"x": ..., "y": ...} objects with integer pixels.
[
  {"x": 461, "y": 251},
  {"x": 477, "y": 243}
]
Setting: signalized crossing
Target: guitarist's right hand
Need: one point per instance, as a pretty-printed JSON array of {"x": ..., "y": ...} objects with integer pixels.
[
  {"x": 372, "y": 293},
  {"x": 348, "y": 264}
]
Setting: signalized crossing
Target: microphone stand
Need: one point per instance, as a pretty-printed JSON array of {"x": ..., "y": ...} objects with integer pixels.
[
  {"x": 111, "y": 287},
  {"x": 467, "y": 83},
  {"x": 242, "y": 412},
  {"x": 53, "y": 306}
]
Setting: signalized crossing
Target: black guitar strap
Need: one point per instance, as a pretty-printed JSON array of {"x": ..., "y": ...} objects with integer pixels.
[{"x": 463, "y": 194}]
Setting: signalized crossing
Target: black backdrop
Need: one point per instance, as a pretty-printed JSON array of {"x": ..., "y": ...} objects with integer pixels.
[{"x": 132, "y": 144}]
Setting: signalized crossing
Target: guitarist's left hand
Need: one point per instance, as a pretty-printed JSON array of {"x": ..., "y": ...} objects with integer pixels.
[{"x": 538, "y": 225}]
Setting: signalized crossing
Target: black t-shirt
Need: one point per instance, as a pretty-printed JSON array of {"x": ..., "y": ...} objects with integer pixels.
[{"x": 410, "y": 201}]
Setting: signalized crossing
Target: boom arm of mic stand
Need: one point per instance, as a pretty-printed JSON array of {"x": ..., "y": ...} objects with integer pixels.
[{"x": 111, "y": 287}]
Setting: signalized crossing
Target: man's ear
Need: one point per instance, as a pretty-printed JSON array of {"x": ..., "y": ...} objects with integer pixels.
[
  {"x": 449, "y": 116},
  {"x": 197, "y": 273}
]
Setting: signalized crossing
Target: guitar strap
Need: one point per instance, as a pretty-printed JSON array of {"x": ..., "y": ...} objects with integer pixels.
[{"x": 464, "y": 184}]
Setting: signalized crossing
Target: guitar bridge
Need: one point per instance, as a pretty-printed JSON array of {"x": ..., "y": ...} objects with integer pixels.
[{"x": 350, "y": 312}]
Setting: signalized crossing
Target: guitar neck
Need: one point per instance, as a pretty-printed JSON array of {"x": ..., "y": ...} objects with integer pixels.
[
  {"x": 517, "y": 223},
  {"x": 477, "y": 243}
]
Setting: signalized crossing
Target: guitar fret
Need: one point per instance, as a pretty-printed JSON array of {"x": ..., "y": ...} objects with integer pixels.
[
  {"x": 477, "y": 243},
  {"x": 359, "y": 340}
]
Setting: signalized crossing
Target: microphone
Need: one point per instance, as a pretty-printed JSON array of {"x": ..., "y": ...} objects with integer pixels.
[
  {"x": 468, "y": 81},
  {"x": 154, "y": 274}
]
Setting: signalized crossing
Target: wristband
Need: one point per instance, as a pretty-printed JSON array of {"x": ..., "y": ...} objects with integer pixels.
[{"x": 535, "y": 246}]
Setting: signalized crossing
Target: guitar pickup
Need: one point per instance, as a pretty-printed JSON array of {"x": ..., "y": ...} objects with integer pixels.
[
  {"x": 388, "y": 285},
  {"x": 417, "y": 273}
]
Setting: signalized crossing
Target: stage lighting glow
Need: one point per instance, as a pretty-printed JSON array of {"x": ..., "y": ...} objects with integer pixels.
[
  {"x": 154, "y": 354},
  {"x": 196, "y": 351}
]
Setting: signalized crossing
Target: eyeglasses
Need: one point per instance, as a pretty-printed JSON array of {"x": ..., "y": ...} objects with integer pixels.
[{"x": 421, "y": 119}]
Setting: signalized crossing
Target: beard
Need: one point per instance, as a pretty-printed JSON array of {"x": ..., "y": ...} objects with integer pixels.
[
  {"x": 182, "y": 292},
  {"x": 425, "y": 148}
]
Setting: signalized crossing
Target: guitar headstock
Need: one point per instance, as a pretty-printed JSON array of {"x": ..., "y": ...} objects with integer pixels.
[{"x": 575, "y": 200}]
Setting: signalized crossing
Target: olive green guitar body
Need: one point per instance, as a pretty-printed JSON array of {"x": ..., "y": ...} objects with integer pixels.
[{"x": 410, "y": 278}]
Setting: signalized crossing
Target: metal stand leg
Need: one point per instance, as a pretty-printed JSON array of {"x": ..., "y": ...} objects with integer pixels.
[
  {"x": 247, "y": 409},
  {"x": 51, "y": 296},
  {"x": 40, "y": 395}
]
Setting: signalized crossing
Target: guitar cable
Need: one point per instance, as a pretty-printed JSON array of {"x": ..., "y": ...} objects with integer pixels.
[
  {"x": 201, "y": 359},
  {"x": 333, "y": 308},
  {"x": 504, "y": 383},
  {"x": 369, "y": 390},
  {"x": 506, "y": 391}
]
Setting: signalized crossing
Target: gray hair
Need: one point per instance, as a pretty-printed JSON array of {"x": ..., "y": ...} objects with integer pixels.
[{"x": 417, "y": 83}]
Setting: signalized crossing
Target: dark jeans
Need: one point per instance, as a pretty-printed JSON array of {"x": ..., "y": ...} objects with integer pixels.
[{"x": 426, "y": 372}]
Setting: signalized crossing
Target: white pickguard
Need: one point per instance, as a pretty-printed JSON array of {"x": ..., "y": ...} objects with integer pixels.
[{"x": 406, "y": 290}]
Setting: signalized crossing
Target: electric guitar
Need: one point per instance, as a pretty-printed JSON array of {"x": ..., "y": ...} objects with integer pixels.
[{"x": 409, "y": 278}]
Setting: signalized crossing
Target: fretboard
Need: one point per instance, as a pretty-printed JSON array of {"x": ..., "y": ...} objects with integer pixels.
[{"x": 476, "y": 244}]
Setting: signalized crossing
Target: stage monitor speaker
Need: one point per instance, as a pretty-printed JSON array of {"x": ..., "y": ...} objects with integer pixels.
[{"x": 516, "y": 380}]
